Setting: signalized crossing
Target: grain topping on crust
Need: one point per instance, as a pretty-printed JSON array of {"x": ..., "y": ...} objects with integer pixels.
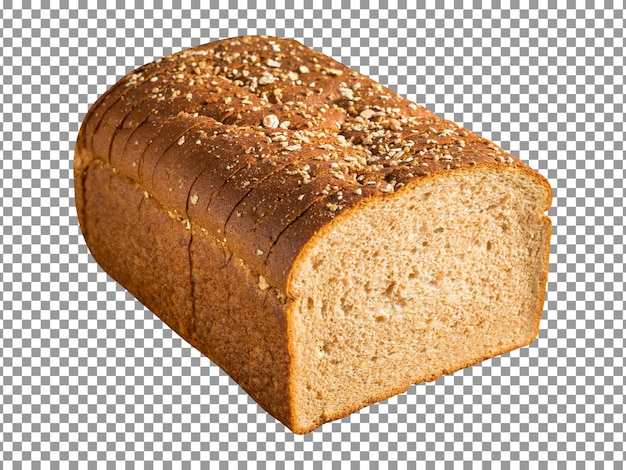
[{"x": 246, "y": 135}]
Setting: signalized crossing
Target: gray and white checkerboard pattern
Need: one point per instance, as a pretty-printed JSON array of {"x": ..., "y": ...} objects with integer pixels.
[{"x": 89, "y": 375}]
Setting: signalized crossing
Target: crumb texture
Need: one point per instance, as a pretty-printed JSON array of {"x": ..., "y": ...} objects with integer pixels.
[{"x": 386, "y": 301}]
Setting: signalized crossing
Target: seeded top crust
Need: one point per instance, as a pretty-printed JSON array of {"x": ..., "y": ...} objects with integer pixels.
[{"x": 262, "y": 141}]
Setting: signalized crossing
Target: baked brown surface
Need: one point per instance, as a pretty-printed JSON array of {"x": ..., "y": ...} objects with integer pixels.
[{"x": 207, "y": 180}]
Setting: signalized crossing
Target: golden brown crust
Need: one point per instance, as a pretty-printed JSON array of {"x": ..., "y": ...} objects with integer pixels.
[
  {"x": 186, "y": 276},
  {"x": 248, "y": 135}
]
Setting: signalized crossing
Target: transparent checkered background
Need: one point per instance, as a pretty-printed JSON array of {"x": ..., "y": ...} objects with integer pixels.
[{"x": 89, "y": 375}]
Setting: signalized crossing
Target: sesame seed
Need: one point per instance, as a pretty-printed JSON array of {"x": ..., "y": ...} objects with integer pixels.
[
  {"x": 259, "y": 252},
  {"x": 303, "y": 69},
  {"x": 272, "y": 63},
  {"x": 181, "y": 141},
  {"x": 194, "y": 199}
]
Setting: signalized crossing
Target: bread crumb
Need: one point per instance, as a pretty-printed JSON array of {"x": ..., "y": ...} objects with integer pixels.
[
  {"x": 387, "y": 189},
  {"x": 263, "y": 285},
  {"x": 346, "y": 93},
  {"x": 395, "y": 125},
  {"x": 266, "y": 79}
]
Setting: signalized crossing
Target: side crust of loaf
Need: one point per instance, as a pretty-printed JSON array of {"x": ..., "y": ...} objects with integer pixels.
[
  {"x": 192, "y": 282},
  {"x": 213, "y": 184}
]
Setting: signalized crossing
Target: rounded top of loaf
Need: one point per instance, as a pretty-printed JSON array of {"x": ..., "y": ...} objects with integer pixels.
[{"x": 247, "y": 138}]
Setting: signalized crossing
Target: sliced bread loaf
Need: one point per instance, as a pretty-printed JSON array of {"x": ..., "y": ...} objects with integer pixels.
[{"x": 325, "y": 241}]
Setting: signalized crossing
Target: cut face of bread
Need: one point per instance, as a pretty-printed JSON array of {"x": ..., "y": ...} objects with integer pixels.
[{"x": 441, "y": 276}]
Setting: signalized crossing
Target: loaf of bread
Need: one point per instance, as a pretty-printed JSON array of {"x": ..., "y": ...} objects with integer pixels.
[{"x": 323, "y": 240}]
